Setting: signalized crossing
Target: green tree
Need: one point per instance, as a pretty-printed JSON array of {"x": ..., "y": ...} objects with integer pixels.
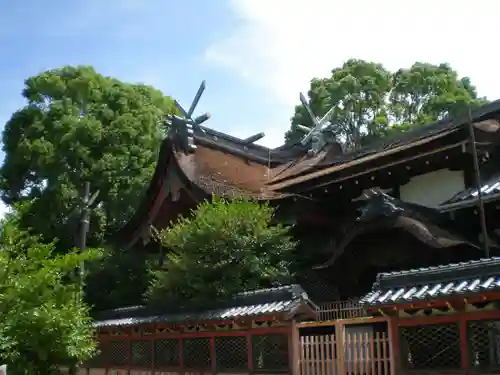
[
  {"x": 224, "y": 248},
  {"x": 80, "y": 126},
  {"x": 426, "y": 93},
  {"x": 358, "y": 91},
  {"x": 120, "y": 278},
  {"x": 44, "y": 322},
  {"x": 370, "y": 102}
]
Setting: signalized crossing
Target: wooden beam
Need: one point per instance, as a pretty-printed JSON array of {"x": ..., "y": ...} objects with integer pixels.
[
  {"x": 351, "y": 321},
  {"x": 176, "y": 335},
  {"x": 387, "y": 165},
  {"x": 337, "y": 168},
  {"x": 442, "y": 319}
]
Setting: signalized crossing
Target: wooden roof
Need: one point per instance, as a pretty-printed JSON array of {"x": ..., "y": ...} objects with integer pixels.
[{"x": 232, "y": 167}]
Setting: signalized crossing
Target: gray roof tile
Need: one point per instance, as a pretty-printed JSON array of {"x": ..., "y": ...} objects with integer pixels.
[
  {"x": 437, "y": 282},
  {"x": 490, "y": 187},
  {"x": 254, "y": 303}
]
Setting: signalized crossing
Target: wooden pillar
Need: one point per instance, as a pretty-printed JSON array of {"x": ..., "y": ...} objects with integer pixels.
[
  {"x": 129, "y": 354},
  {"x": 340, "y": 347},
  {"x": 212, "y": 354},
  {"x": 107, "y": 363},
  {"x": 249, "y": 353},
  {"x": 464, "y": 347},
  {"x": 107, "y": 355},
  {"x": 394, "y": 346},
  {"x": 153, "y": 352},
  {"x": 181, "y": 359},
  {"x": 294, "y": 349}
]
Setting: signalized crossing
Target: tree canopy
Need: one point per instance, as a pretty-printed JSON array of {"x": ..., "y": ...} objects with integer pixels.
[
  {"x": 370, "y": 102},
  {"x": 44, "y": 321},
  {"x": 222, "y": 249},
  {"x": 80, "y": 126},
  {"x": 120, "y": 278}
]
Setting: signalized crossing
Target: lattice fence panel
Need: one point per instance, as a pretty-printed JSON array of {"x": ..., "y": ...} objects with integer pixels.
[
  {"x": 118, "y": 353},
  {"x": 167, "y": 353},
  {"x": 196, "y": 353},
  {"x": 141, "y": 353},
  {"x": 231, "y": 353},
  {"x": 270, "y": 352},
  {"x": 484, "y": 344},
  {"x": 431, "y": 346}
]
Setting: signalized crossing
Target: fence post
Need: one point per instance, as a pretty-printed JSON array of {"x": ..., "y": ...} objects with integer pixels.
[
  {"x": 294, "y": 349},
  {"x": 394, "y": 345},
  {"x": 464, "y": 345},
  {"x": 340, "y": 347}
]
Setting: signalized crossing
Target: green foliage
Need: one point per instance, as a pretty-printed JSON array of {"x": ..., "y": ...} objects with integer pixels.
[
  {"x": 224, "y": 248},
  {"x": 44, "y": 322},
  {"x": 81, "y": 126},
  {"x": 427, "y": 92},
  {"x": 370, "y": 102},
  {"x": 119, "y": 279}
]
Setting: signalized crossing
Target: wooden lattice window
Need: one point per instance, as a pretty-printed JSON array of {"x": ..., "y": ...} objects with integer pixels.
[
  {"x": 141, "y": 353},
  {"x": 431, "y": 347},
  {"x": 484, "y": 344},
  {"x": 118, "y": 353},
  {"x": 231, "y": 353},
  {"x": 270, "y": 353},
  {"x": 196, "y": 353},
  {"x": 167, "y": 353}
]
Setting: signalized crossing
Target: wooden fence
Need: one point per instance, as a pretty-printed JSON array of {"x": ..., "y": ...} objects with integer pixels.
[
  {"x": 340, "y": 310},
  {"x": 351, "y": 353}
]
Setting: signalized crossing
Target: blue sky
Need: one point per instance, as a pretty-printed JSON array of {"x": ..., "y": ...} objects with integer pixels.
[
  {"x": 256, "y": 55},
  {"x": 161, "y": 43}
]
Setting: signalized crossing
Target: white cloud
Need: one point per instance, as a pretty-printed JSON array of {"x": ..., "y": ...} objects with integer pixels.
[{"x": 280, "y": 45}]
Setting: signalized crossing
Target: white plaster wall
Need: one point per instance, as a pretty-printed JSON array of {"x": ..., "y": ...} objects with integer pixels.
[{"x": 432, "y": 188}]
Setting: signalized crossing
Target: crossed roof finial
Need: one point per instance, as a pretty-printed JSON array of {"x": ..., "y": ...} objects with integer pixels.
[
  {"x": 182, "y": 127},
  {"x": 316, "y": 134}
]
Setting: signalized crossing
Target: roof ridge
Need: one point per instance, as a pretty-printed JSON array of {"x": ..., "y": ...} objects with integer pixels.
[
  {"x": 233, "y": 138},
  {"x": 433, "y": 269},
  {"x": 447, "y": 272},
  {"x": 271, "y": 289},
  {"x": 294, "y": 291}
]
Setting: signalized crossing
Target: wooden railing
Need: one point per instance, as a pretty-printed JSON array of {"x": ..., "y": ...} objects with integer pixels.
[{"x": 340, "y": 310}]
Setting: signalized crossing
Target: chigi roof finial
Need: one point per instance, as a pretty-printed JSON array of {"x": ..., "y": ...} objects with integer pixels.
[
  {"x": 320, "y": 134},
  {"x": 182, "y": 128}
]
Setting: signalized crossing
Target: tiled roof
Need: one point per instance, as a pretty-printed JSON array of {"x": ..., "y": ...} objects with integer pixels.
[
  {"x": 435, "y": 282},
  {"x": 254, "y": 303},
  {"x": 489, "y": 188}
]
